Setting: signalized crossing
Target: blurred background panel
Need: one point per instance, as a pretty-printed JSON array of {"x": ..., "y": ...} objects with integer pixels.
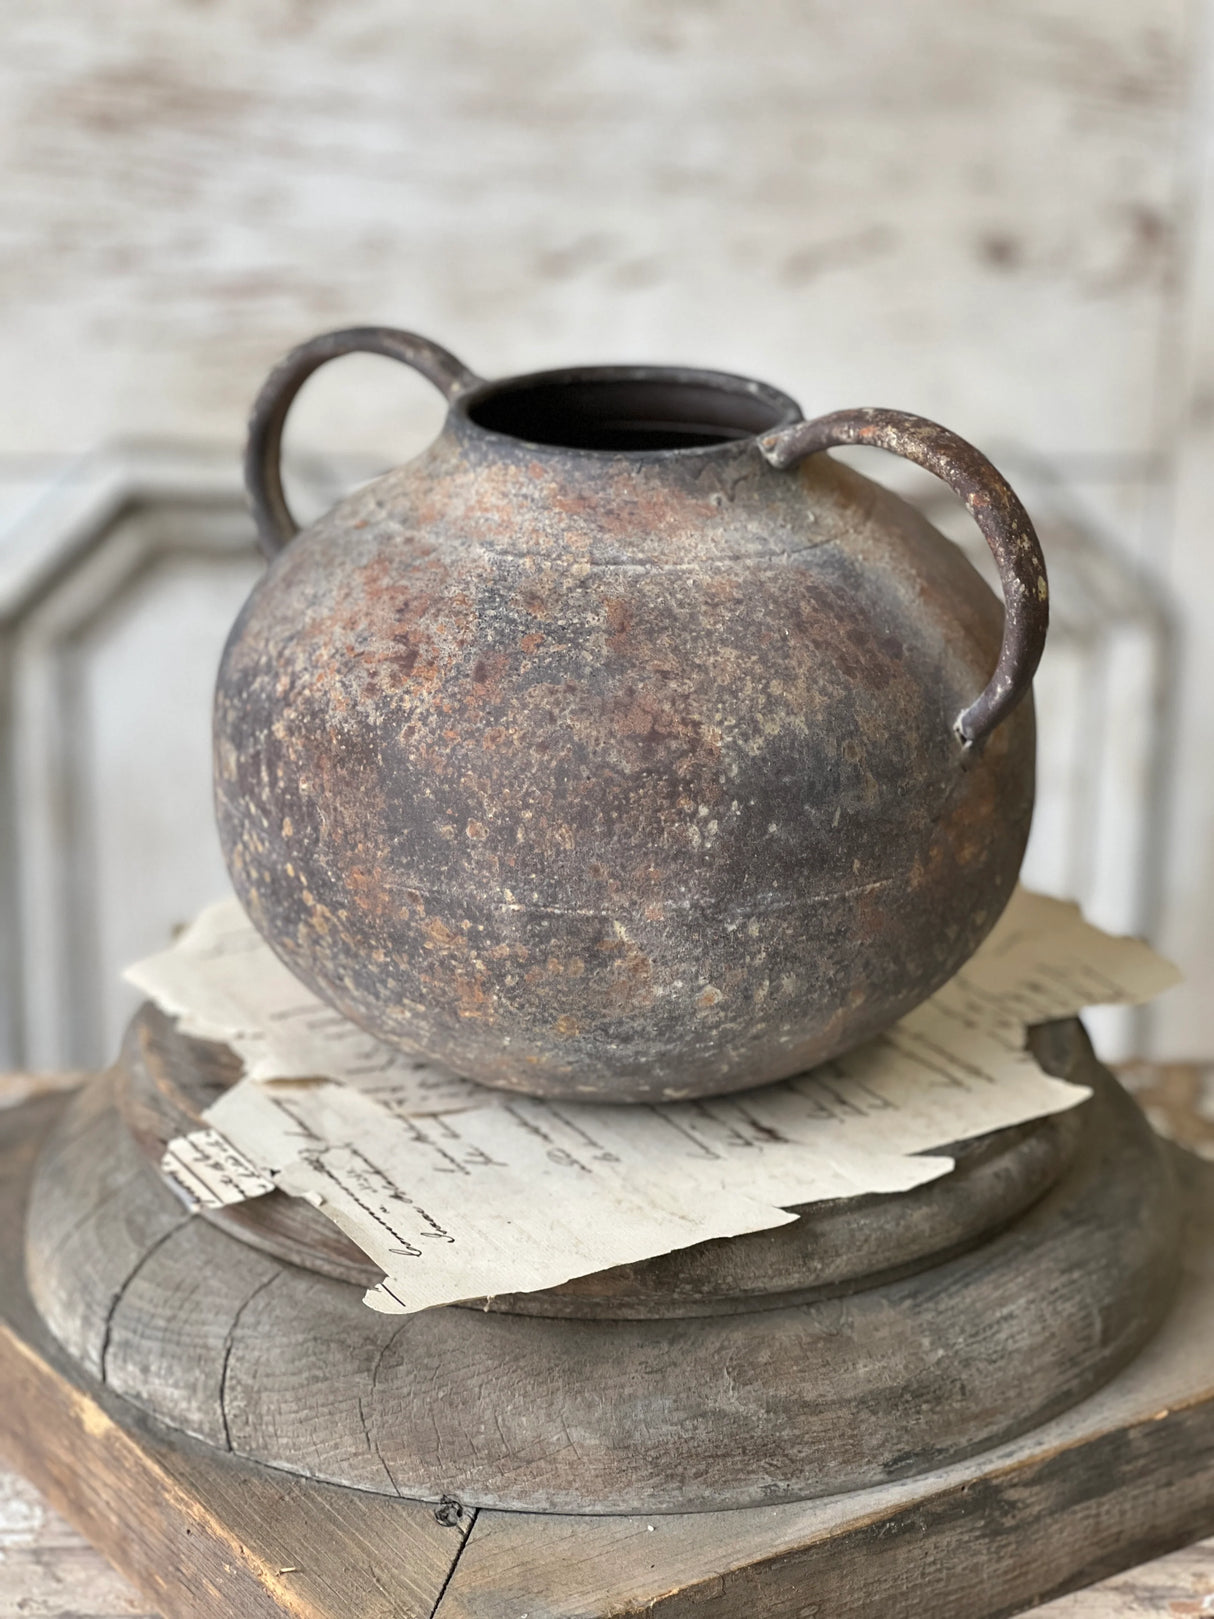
[{"x": 997, "y": 213}]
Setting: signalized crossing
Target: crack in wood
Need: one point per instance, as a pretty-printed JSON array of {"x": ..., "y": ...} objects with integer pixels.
[
  {"x": 228, "y": 1344},
  {"x": 372, "y": 1441},
  {"x": 438, "y": 1601},
  {"x": 122, "y": 1292}
]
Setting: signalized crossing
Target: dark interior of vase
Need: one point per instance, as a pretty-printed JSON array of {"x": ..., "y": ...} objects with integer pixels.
[{"x": 604, "y": 413}]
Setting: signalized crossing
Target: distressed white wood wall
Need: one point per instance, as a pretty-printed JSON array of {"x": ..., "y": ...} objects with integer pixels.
[{"x": 999, "y": 213}]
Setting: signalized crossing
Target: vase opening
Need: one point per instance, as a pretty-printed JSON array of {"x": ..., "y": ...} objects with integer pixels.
[{"x": 615, "y": 410}]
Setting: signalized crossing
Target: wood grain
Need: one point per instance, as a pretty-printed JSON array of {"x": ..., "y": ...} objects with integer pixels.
[
  {"x": 982, "y": 1547},
  {"x": 1178, "y": 1586},
  {"x": 199, "y": 1531},
  {"x": 970, "y": 195},
  {"x": 287, "y": 1367},
  {"x": 49, "y": 1571},
  {"x": 1123, "y": 1476}
]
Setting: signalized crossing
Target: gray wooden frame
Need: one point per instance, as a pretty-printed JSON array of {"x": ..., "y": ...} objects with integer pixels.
[
  {"x": 91, "y": 540},
  {"x": 111, "y": 526}
]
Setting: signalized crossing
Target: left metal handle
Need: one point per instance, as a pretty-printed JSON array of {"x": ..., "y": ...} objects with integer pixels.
[{"x": 263, "y": 452}]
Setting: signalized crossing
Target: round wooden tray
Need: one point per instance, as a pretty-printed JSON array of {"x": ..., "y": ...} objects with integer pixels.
[{"x": 1033, "y": 1298}]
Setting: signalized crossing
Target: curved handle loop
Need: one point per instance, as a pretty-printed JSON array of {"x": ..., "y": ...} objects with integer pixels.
[
  {"x": 994, "y": 507},
  {"x": 263, "y": 451}
]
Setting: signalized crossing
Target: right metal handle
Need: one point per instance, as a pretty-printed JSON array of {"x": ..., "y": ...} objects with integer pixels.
[{"x": 995, "y": 508}]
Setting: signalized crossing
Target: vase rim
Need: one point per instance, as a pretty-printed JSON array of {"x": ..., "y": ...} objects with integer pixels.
[{"x": 653, "y": 412}]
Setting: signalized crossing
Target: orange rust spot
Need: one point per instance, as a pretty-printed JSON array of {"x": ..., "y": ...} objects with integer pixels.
[
  {"x": 366, "y": 888},
  {"x": 708, "y": 997},
  {"x": 631, "y": 984},
  {"x": 474, "y": 1001},
  {"x": 566, "y": 1027},
  {"x": 476, "y": 831},
  {"x": 718, "y": 587},
  {"x": 439, "y": 933}
]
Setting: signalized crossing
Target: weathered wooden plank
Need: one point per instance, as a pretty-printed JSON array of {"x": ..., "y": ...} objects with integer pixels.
[
  {"x": 523, "y": 1412},
  {"x": 48, "y": 1570},
  {"x": 1125, "y": 1476},
  {"x": 172, "y": 1328},
  {"x": 1178, "y": 1586},
  {"x": 982, "y": 198},
  {"x": 114, "y": 1240},
  {"x": 982, "y": 1546},
  {"x": 199, "y": 1531}
]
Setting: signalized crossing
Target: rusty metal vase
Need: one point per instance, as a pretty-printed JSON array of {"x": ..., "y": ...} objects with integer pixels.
[{"x": 624, "y": 746}]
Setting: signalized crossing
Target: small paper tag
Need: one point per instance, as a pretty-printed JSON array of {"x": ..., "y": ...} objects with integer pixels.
[{"x": 211, "y": 1171}]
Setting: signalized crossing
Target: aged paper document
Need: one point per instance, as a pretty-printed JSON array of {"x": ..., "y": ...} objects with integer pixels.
[
  {"x": 223, "y": 982},
  {"x": 459, "y": 1192}
]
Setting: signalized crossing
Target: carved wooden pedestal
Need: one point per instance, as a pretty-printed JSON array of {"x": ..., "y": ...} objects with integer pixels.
[{"x": 1004, "y": 1389}]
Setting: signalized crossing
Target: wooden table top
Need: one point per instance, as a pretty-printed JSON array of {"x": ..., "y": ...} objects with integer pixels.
[{"x": 48, "y": 1571}]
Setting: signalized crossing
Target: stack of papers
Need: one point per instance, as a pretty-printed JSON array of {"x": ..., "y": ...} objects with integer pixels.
[{"x": 457, "y": 1191}]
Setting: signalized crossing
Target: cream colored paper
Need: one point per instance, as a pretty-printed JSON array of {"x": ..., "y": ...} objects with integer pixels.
[
  {"x": 524, "y": 1195},
  {"x": 458, "y": 1192},
  {"x": 212, "y": 1171},
  {"x": 221, "y": 981}
]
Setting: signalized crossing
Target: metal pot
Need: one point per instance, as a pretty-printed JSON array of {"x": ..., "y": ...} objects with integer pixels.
[{"x": 623, "y": 746}]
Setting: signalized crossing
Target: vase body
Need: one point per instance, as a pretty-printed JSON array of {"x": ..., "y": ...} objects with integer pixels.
[{"x": 619, "y": 770}]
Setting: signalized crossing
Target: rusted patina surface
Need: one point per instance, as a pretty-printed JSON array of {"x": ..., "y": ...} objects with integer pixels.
[{"x": 619, "y": 772}]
